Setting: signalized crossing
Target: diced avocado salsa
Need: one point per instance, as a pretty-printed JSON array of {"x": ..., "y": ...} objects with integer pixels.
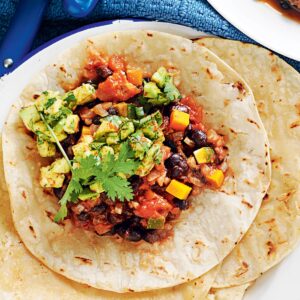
[{"x": 115, "y": 153}]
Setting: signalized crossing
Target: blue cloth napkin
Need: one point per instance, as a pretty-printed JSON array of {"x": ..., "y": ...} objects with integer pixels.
[{"x": 194, "y": 13}]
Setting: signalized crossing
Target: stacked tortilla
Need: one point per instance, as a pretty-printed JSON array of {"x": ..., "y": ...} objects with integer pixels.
[{"x": 176, "y": 269}]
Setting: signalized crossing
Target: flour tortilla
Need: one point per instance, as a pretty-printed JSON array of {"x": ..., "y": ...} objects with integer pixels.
[
  {"x": 25, "y": 278},
  {"x": 276, "y": 230},
  {"x": 230, "y": 293},
  {"x": 206, "y": 233}
]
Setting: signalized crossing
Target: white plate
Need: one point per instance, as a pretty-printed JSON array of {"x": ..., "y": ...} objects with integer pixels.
[
  {"x": 279, "y": 282},
  {"x": 263, "y": 24}
]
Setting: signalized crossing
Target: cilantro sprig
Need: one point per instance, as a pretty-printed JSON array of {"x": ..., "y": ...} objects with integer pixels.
[
  {"x": 106, "y": 170},
  {"x": 111, "y": 171}
]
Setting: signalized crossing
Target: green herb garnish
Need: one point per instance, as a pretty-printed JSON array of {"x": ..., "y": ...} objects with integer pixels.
[{"x": 91, "y": 169}]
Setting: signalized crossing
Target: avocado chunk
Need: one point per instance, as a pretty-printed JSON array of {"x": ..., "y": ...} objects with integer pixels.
[
  {"x": 53, "y": 176},
  {"x": 59, "y": 130},
  {"x": 108, "y": 124},
  {"x": 139, "y": 144},
  {"x": 156, "y": 223},
  {"x": 29, "y": 116},
  {"x": 139, "y": 111},
  {"x": 41, "y": 130},
  {"x": 84, "y": 94},
  {"x": 112, "y": 138},
  {"x": 83, "y": 148},
  {"x": 131, "y": 111},
  {"x": 87, "y": 194},
  {"x": 46, "y": 100},
  {"x": 49, "y": 179},
  {"x": 151, "y": 90},
  {"x": 97, "y": 187},
  {"x": 46, "y": 149},
  {"x": 71, "y": 124},
  {"x": 60, "y": 166},
  {"x": 126, "y": 129},
  {"x": 105, "y": 150},
  {"x": 153, "y": 156},
  {"x": 160, "y": 77}
]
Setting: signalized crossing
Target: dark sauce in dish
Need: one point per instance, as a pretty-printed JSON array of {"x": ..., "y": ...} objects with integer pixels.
[{"x": 284, "y": 8}]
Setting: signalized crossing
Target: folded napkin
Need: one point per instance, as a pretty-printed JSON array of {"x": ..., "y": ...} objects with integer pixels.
[{"x": 194, "y": 13}]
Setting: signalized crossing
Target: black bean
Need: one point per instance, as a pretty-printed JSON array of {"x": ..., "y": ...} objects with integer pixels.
[
  {"x": 100, "y": 208},
  {"x": 70, "y": 140},
  {"x": 199, "y": 137},
  {"x": 96, "y": 120},
  {"x": 94, "y": 83},
  {"x": 112, "y": 111},
  {"x": 160, "y": 190},
  {"x": 84, "y": 216},
  {"x": 170, "y": 144},
  {"x": 133, "y": 234},
  {"x": 121, "y": 229},
  {"x": 92, "y": 103},
  {"x": 104, "y": 72},
  {"x": 177, "y": 166},
  {"x": 135, "y": 181},
  {"x": 151, "y": 236},
  {"x": 284, "y": 4},
  {"x": 59, "y": 192},
  {"x": 181, "y": 204},
  {"x": 114, "y": 218},
  {"x": 135, "y": 220}
]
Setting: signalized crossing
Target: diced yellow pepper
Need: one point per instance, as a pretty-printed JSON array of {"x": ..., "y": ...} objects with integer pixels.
[
  {"x": 204, "y": 155},
  {"x": 179, "y": 120},
  {"x": 178, "y": 189},
  {"x": 215, "y": 177},
  {"x": 85, "y": 130}
]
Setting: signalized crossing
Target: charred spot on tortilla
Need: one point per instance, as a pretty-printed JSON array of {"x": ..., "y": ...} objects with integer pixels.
[
  {"x": 239, "y": 85},
  {"x": 63, "y": 69},
  {"x": 211, "y": 76},
  {"x": 295, "y": 124},
  {"x": 271, "y": 248},
  {"x": 253, "y": 122},
  {"x": 247, "y": 203},
  {"x": 24, "y": 195},
  {"x": 149, "y": 34},
  {"x": 32, "y": 230},
  {"x": 84, "y": 260},
  {"x": 50, "y": 215}
]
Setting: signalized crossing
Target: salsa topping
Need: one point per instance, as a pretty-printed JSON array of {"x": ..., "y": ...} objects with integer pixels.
[{"x": 128, "y": 150}]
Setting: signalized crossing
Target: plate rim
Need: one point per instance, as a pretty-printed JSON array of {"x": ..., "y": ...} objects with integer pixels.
[{"x": 247, "y": 31}]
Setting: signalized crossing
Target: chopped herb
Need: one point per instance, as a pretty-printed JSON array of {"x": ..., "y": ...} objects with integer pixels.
[
  {"x": 49, "y": 102},
  {"x": 91, "y": 169}
]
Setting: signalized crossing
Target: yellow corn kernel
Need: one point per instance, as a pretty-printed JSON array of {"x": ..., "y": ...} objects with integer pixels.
[
  {"x": 178, "y": 189},
  {"x": 179, "y": 120},
  {"x": 204, "y": 155},
  {"x": 215, "y": 177}
]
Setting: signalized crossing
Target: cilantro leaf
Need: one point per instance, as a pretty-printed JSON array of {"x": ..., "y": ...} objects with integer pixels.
[
  {"x": 49, "y": 102},
  {"x": 71, "y": 194},
  {"x": 117, "y": 187}
]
